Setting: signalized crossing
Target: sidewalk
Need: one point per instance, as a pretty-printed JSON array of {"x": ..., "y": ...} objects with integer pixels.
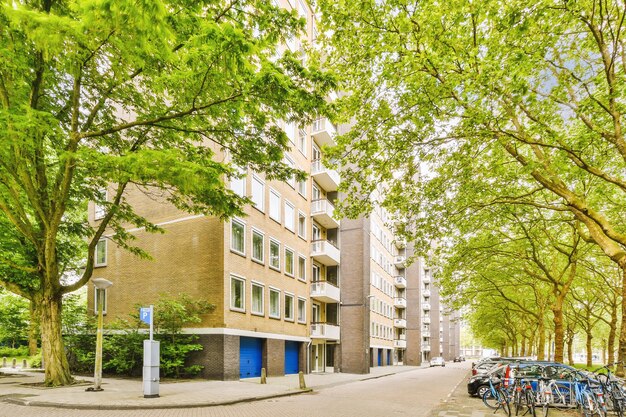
[
  {"x": 127, "y": 394},
  {"x": 460, "y": 404}
]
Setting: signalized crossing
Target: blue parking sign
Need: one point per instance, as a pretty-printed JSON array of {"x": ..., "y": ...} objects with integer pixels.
[{"x": 145, "y": 315}]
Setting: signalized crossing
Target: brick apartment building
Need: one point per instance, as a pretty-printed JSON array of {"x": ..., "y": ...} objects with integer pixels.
[{"x": 275, "y": 275}]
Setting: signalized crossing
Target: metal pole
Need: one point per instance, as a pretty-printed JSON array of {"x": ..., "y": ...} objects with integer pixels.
[
  {"x": 151, "y": 321},
  {"x": 97, "y": 378}
]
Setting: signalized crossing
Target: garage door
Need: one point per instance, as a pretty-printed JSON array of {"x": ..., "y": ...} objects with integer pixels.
[
  {"x": 380, "y": 357},
  {"x": 292, "y": 350},
  {"x": 250, "y": 357}
]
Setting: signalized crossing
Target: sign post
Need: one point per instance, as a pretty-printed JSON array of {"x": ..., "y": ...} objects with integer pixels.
[{"x": 151, "y": 360}]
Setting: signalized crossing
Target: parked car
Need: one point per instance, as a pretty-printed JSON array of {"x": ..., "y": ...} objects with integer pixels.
[
  {"x": 478, "y": 384},
  {"x": 458, "y": 359},
  {"x": 437, "y": 361}
]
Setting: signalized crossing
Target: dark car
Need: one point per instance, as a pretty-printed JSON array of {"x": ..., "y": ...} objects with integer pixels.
[
  {"x": 457, "y": 359},
  {"x": 478, "y": 384}
]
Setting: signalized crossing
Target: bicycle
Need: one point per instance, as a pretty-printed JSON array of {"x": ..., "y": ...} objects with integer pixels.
[
  {"x": 613, "y": 388},
  {"x": 523, "y": 396},
  {"x": 497, "y": 397}
]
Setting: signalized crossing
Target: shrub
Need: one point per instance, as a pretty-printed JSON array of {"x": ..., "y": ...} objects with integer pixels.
[{"x": 10, "y": 352}]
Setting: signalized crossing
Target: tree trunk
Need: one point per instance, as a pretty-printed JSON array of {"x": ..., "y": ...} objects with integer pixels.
[
  {"x": 589, "y": 351},
  {"x": 549, "y": 346},
  {"x": 570, "y": 350},
  {"x": 558, "y": 330},
  {"x": 57, "y": 369},
  {"x": 610, "y": 344},
  {"x": 541, "y": 343},
  {"x": 33, "y": 330},
  {"x": 523, "y": 348},
  {"x": 621, "y": 355}
]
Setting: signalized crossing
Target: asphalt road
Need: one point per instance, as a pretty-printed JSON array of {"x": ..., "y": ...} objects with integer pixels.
[{"x": 416, "y": 393}]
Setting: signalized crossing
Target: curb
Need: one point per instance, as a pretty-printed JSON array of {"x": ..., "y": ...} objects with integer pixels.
[{"x": 35, "y": 403}]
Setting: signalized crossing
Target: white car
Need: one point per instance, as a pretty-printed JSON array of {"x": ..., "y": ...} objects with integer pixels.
[{"x": 437, "y": 361}]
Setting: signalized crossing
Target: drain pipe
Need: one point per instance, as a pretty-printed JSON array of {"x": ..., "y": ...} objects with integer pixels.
[{"x": 308, "y": 357}]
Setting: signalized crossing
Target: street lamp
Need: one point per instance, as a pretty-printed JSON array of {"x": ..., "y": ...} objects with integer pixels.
[{"x": 101, "y": 284}]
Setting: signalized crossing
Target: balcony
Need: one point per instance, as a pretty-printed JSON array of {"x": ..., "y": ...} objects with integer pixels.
[
  {"x": 425, "y": 348},
  {"x": 323, "y": 211},
  {"x": 325, "y": 331},
  {"x": 426, "y": 279},
  {"x": 399, "y": 302},
  {"x": 399, "y": 344},
  {"x": 399, "y": 282},
  {"x": 426, "y": 306},
  {"x": 325, "y": 252},
  {"x": 399, "y": 323},
  {"x": 426, "y": 320},
  {"x": 327, "y": 178},
  {"x": 325, "y": 291},
  {"x": 323, "y": 131},
  {"x": 399, "y": 262},
  {"x": 400, "y": 243},
  {"x": 426, "y": 293}
]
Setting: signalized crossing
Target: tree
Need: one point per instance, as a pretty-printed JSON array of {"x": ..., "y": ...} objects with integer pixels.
[
  {"x": 14, "y": 314},
  {"x": 486, "y": 95},
  {"x": 154, "y": 94}
]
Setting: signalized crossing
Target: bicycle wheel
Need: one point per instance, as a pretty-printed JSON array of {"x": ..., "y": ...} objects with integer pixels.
[
  {"x": 503, "y": 401},
  {"x": 518, "y": 401},
  {"x": 561, "y": 395},
  {"x": 586, "y": 405},
  {"x": 489, "y": 400},
  {"x": 530, "y": 403}
]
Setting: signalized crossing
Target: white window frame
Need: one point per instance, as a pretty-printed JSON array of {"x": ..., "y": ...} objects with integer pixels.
[
  {"x": 95, "y": 300},
  {"x": 256, "y": 231},
  {"x": 277, "y": 291},
  {"x": 106, "y": 253},
  {"x": 303, "y": 319},
  {"x": 262, "y": 286},
  {"x": 242, "y": 280},
  {"x": 232, "y": 249},
  {"x": 302, "y": 229},
  {"x": 302, "y": 191},
  {"x": 238, "y": 185},
  {"x": 292, "y": 217},
  {"x": 277, "y": 268},
  {"x": 99, "y": 211},
  {"x": 292, "y": 164},
  {"x": 302, "y": 143},
  {"x": 273, "y": 215},
  {"x": 293, "y": 262},
  {"x": 257, "y": 180},
  {"x": 317, "y": 268},
  {"x": 302, "y": 269},
  {"x": 292, "y": 296}
]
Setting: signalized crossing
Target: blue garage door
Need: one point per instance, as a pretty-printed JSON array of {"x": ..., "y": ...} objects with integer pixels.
[
  {"x": 380, "y": 357},
  {"x": 250, "y": 357},
  {"x": 388, "y": 356},
  {"x": 292, "y": 365}
]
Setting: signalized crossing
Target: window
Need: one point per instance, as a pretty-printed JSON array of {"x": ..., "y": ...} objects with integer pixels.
[
  {"x": 290, "y": 131},
  {"x": 237, "y": 233},
  {"x": 274, "y": 205},
  {"x": 238, "y": 182},
  {"x": 302, "y": 188},
  {"x": 289, "y": 216},
  {"x": 237, "y": 294},
  {"x": 258, "y": 246},
  {"x": 289, "y": 262},
  {"x": 257, "y": 299},
  {"x": 274, "y": 303},
  {"x": 101, "y": 253},
  {"x": 302, "y": 225},
  {"x": 302, "y": 141},
  {"x": 316, "y": 274},
  {"x": 258, "y": 193},
  {"x": 288, "y": 307},
  {"x": 301, "y": 268},
  {"x": 291, "y": 164},
  {"x": 100, "y": 209},
  {"x": 274, "y": 254},
  {"x": 301, "y": 310},
  {"x": 96, "y": 302}
]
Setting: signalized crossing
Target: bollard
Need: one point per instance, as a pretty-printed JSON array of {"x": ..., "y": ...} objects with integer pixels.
[
  {"x": 14, "y": 363},
  {"x": 263, "y": 376},
  {"x": 301, "y": 378},
  {"x": 24, "y": 364},
  {"x": 4, "y": 362}
]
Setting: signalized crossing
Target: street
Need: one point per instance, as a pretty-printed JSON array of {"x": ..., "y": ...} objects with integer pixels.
[{"x": 415, "y": 393}]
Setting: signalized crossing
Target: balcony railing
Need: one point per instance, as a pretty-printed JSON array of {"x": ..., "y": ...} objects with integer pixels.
[
  {"x": 323, "y": 212},
  {"x": 426, "y": 320},
  {"x": 325, "y": 252},
  {"x": 326, "y": 331},
  {"x": 400, "y": 243},
  {"x": 426, "y": 279},
  {"x": 426, "y": 306},
  {"x": 327, "y": 178},
  {"x": 426, "y": 348},
  {"x": 399, "y": 282},
  {"x": 400, "y": 262},
  {"x": 399, "y": 302},
  {"x": 426, "y": 293},
  {"x": 325, "y": 291},
  {"x": 323, "y": 131},
  {"x": 399, "y": 344},
  {"x": 399, "y": 323}
]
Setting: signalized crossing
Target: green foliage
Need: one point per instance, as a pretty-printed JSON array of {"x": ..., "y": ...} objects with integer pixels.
[
  {"x": 123, "y": 339},
  {"x": 12, "y": 352},
  {"x": 14, "y": 320}
]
